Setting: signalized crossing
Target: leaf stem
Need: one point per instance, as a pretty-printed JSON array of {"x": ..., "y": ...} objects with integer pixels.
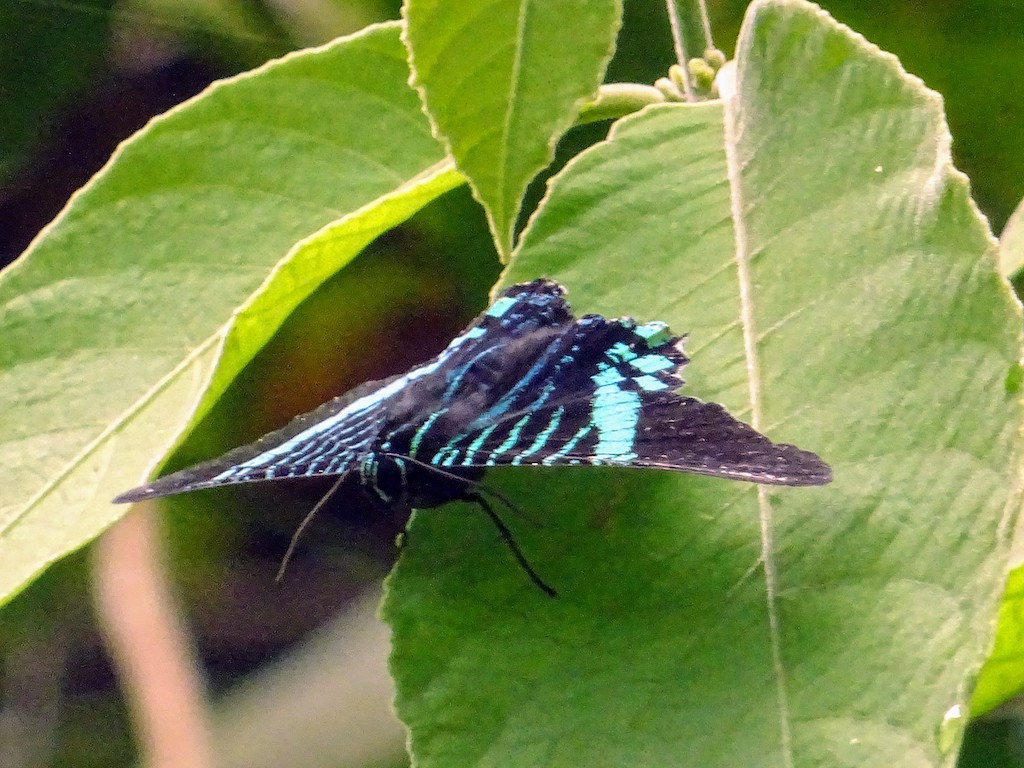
[
  {"x": 705, "y": 21},
  {"x": 150, "y": 644},
  {"x": 615, "y": 100}
]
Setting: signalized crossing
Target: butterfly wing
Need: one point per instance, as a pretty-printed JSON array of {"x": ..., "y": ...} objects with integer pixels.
[
  {"x": 603, "y": 393},
  {"x": 672, "y": 433},
  {"x": 329, "y": 440},
  {"x": 334, "y": 438}
]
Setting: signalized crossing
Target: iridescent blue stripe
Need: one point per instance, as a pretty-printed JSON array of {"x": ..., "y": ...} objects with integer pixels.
[
  {"x": 607, "y": 376},
  {"x": 654, "y": 333},
  {"x": 652, "y": 363},
  {"x": 414, "y": 444},
  {"x": 365, "y": 403},
  {"x": 620, "y": 352},
  {"x": 501, "y": 306},
  {"x": 569, "y": 445},
  {"x": 495, "y": 412},
  {"x": 458, "y": 376},
  {"x": 616, "y": 413},
  {"x": 541, "y": 439},
  {"x": 650, "y": 383},
  {"x": 477, "y": 444},
  {"x": 511, "y": 440}
]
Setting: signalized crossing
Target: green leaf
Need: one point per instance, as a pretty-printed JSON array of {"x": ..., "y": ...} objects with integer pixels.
[
  {"x": 1011, "y": 244},
  {"x": 115, "y": 319},
  {"x": 502, "y": 81},
  {"x": 840, "y": 292}
]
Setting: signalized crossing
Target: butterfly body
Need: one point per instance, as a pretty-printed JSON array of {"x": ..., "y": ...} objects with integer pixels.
[{"x": 526, "y": 384}]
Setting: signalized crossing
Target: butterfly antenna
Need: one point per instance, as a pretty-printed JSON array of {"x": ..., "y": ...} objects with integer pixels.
[
  {"x": 503, "y": 530},
  {"x": 302, "y": 527}
]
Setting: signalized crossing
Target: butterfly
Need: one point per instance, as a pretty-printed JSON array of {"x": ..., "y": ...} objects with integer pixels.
[{"x": 526, "y": 384}]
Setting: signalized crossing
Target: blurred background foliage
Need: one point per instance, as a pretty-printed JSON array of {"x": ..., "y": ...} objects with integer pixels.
[{"x": 78, "y": 76}]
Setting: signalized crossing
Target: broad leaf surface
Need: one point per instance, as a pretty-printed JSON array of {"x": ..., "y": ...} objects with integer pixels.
[
  {"x": 840, "y": 292},
  {"x": 502, "y": 80},
  {"x": 115, "y": 318},
  {"x": 1002, "y": 677}
]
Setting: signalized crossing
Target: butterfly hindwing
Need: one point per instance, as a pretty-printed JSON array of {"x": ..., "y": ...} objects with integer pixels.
[
  {"x": 688, "y": 435},
  {"x": 602, "y": 392}
]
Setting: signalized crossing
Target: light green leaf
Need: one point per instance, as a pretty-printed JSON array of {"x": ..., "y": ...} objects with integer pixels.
[
  {"x": 841, "y": 293},
  {"x": 114, "y": 320},
  {"x": 1011, "y": 243},
  {"x": 502, "y": 81}
]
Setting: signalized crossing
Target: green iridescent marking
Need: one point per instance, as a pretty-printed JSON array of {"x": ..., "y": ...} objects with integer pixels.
[
  {"x": 414, "y": 444},
  {"x": 477, "y": 444},
  {"x": 511, "y": 440},
  {"x": 582, "y": 432},
  {"x": 501, "y": 306},
  {"x": 620, "y": 352},
  {"x": 368, "y": 471},
  {"x": 654, "y": 333}
]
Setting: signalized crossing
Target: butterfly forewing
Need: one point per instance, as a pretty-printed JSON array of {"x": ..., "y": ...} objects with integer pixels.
[
  {"x": 329, "y": 440},
  {"x": 336, "y": 437}
]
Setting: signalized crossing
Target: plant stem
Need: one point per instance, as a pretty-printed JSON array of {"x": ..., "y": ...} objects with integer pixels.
[
  {"x": 615, "y": 100},
  {"x": 705, "y": 21},
  {"x": 691, "y": 31},
  {"x": 677, "y": 25}
]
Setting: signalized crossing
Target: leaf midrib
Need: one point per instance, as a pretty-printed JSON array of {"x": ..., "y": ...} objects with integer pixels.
[
  {"x": 509, "y": 117},
  {"x": 745, "y": 289},
  {"x": 113, "y": 428}
]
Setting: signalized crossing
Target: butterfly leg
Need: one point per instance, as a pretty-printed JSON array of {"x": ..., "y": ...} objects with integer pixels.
[
  {"x": 465, "y": 489},
  {"x": 510, "y": 542}
]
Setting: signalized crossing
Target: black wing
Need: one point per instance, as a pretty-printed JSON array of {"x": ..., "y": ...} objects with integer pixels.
[
  {"x": 602, "y": 392},
  {"x": 337, "y": 436}
]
